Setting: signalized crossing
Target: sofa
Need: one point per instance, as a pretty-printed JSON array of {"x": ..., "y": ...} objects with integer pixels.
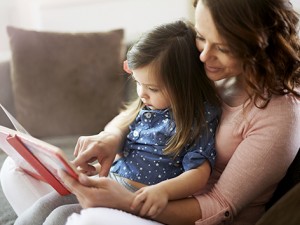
[{"x": 61, "y": 86}]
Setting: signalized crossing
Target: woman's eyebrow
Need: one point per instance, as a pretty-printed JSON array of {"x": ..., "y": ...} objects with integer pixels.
[
  {"x": 197, "y": 32},
  {"x": 215, "y": 43}
]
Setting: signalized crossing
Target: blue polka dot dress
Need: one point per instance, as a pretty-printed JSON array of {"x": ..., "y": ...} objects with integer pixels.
[{"x": 143, "y": 158}]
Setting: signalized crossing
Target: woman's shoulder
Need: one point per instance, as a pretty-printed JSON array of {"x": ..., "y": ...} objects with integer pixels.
[
  {"x": 281, "y": 110},
  {"x": 284, "y": 103}
]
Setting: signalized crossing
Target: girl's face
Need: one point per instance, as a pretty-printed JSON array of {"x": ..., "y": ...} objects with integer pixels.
[
  {"x": 149, "y": 90},
  {"x": 218, "y": 61}
]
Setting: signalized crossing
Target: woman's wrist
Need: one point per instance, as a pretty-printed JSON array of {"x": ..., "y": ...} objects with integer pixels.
[
  {"x": 116, "y": 138},
  {"x": 118, "y": 133},
  {"x": 125, "y": 202},
  {"x": 173, "y": 213}
]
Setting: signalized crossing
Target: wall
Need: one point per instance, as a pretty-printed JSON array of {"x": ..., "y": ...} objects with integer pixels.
[{"x": 135, "y": 16}]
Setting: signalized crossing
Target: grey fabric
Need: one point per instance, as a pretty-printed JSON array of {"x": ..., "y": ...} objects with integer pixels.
[
  {"x": 123, "y": 182},
  {"x": 51, "y": 209}
]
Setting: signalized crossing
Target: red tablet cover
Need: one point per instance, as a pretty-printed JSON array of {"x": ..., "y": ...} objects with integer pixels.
[{"x": 37, "y": 158}]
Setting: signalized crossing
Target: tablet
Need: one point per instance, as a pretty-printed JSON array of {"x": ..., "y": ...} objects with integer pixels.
[{"x": 37, "y": 158}]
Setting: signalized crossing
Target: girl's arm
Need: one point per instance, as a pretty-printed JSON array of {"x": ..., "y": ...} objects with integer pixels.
[{"x": 153, "y": 199}]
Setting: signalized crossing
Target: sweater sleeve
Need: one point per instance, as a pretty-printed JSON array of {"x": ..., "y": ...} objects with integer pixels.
[{"x": 269, "y": 140}]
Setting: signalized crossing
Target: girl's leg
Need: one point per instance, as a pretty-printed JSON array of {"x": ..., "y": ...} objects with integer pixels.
[
  {"x": 60, "y": 215},
  {"x": 104, "y": 216},
  {"x": 42, "y": 208},
  {"x": 20, "y": 189}
]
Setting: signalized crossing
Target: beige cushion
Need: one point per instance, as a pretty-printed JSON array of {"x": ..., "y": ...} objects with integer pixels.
[
  {"x": 6, "y": 95},
  {"x": 66, "y": 83}
]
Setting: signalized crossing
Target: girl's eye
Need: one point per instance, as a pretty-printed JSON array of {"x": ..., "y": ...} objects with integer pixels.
[
  {"x": 153, "y": 89},
  {"x": 137, "y": 83}
]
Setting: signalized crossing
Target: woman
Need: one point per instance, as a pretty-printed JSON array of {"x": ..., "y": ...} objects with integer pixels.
[{"x": 251, "y": 50}]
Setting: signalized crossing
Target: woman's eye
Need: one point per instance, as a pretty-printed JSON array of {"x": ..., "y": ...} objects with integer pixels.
[
  {"x": 223, "y": 50},
  {"x": 199, "y": 38}
]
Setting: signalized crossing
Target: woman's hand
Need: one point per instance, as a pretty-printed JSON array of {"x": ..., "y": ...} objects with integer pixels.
[
  {"x": 98, "y": 192},
  {"x": 102, "y": 147}
]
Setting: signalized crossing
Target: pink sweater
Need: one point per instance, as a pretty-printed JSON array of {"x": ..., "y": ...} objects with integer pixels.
[{"x": 254, "y": 150}]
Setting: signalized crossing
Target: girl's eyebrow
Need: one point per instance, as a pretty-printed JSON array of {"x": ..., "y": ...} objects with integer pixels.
[{"x": 148, "y": 85}]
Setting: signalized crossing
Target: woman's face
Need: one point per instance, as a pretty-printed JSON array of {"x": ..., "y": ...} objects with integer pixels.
[{"x": 219, "y": 62}]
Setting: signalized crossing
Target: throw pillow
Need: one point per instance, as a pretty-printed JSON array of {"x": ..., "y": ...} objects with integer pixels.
[
  {"x": 6, "y": 95},
  {"x": 66, "y": 83}
]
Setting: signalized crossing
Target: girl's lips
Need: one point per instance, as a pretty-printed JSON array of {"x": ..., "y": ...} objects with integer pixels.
[
  {"x": 146, "y": 104},
  {"x": 149, "y": 106}
]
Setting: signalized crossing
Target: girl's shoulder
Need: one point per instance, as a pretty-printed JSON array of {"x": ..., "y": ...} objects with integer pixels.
[{"x": 212, "y": 111}]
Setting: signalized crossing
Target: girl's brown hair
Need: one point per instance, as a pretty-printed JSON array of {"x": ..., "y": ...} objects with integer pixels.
[
  {"x": 171, "y": 51},
  {"x": 264, "y": 35}
]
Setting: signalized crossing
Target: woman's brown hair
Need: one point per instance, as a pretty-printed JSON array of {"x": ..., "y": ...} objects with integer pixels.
[
  {"x": 264, "y": 35},
  {"x": 171, "y": 52}
]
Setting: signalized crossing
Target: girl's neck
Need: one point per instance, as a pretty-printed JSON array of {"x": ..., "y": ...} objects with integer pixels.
[{"x": 232, "y": 91}]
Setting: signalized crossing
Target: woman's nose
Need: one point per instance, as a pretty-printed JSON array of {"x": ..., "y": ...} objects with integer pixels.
[{"x": 205, "y": 54}]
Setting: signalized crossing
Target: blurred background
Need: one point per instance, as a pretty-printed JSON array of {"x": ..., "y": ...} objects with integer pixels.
[{"x": 135, "y": 16}]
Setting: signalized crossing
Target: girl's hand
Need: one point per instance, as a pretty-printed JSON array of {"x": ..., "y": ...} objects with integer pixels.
[
  {"x": 151, "y": 200},
  {"x": 102, "y": 147}
]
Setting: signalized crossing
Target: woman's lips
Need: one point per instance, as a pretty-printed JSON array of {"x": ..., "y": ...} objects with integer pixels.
[{"x": 212, "y": 69}]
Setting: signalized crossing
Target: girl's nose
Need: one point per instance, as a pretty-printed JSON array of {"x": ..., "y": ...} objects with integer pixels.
[{"x": 142, "y": 93}]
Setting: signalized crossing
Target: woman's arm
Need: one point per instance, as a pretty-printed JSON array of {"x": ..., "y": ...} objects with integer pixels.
[
  {"x": 185, "y": 211},
  {"x": 102, "y": 147},
  {"x": 257, "y": 146},
  {"x": 104, "y": 192}
]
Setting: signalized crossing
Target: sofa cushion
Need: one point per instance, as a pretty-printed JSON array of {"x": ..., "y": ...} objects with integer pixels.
[
  {"x": 66, "y": 83},
  {"x": 6, "y": 95}
]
